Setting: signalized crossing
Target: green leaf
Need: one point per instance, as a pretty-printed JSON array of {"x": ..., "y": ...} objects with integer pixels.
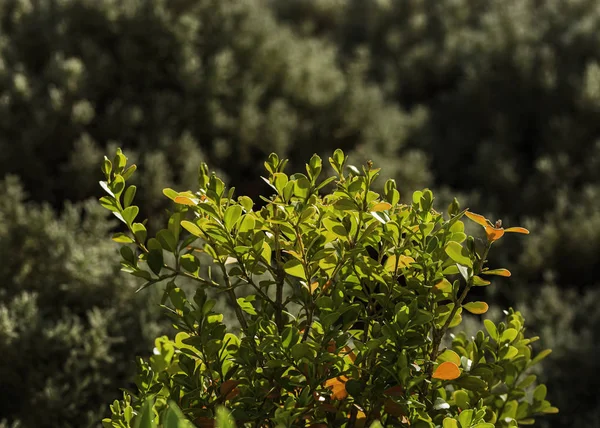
[
  {"x": 539, "y": 393},
  {"x": 345, "y": 204},
  {"x": 491, "y": 329},
  {"x": 539, "y": 357},
  {"x": 279, "y": 181},
  {"x": 109, "y": 203},
  {"x": 294, "y": 267},
  {"x": 177, "y": 297},
  {"x": 246, "y": 306},
  {"x": 117, "y": 186},
  {"x": 508, "y": 335},
  {"x": 167, "y": 240},
  {"x": 302, "y": 187},
  {"x": 465, "y": 418},
  {"x": 511, "y": 352},
  {"x": 127, "y": 254},
  {"x": 191, "y": 227},
  {"x": 247, "y": 223},
  {"x": 472, "y": 383},
  {"x": 146, "y": 417},
  {"x": 106, "y": 167},
  {"x": 129, "y": 195},
  {"x": 189, "y": 262},
  {"x": 354, "y": 387},
  {"x": 461, "y": 398},
  {"x": 232, "y": 215},
  {"x": 450, "y": 423},
  {"x": 155, "y": 261},
  {"x": 224, "y": 419},
  {"x": 449, "y": 355},
  {"x": 139, "y": 230},
  {"x": 122, "y": 238},
  {"x": 129, "y": 172},
  {"x": 335, "y": 227},
  {"x": 129, "y": 214},
  {"x": 324, "y": 183},
  {"x": 458, "y": 253},
  {"x": 174, "y": 418},
  {"x": 301, "y": 350},
  {"x": 422, "y": 317},
  {"x": 170, "y": 193}
]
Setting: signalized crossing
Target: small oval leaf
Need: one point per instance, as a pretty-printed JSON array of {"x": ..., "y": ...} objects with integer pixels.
[
  {"x": 476, "y": 308},
  {"x": 446, "y": 371}
]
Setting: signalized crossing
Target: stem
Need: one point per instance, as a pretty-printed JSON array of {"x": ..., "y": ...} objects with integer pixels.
[{"x": 279, "y": 279}]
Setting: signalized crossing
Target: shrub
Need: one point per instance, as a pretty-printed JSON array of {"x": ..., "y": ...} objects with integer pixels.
[{"x": 343, "y": 303}]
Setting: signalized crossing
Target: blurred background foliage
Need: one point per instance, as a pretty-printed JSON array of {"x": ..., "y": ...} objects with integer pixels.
[{"x": 495, "y": 101}]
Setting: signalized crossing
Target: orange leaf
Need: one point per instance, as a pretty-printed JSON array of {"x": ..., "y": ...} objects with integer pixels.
[
  {"x": 479, "y": 219},
  {"x": 476, "y": 308},
  {"x": 331, "y": 346},
  {"x": 381, "y": 206},
  {"x": 313, "y": 287},
  {"x": 184, "y": 200},
  {"x": 446, "y": 371},
  {"x": 517, "y": 230},
  {"x": 493, "y": 233},
  {"x": 499, "y": 272},
  {"x": 338, "y": 387}
]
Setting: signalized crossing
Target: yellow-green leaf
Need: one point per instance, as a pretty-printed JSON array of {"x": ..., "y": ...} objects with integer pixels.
[
  {"x": 294, "y": 267},
  {"x": 450, "y": 423},
  {"x": 122, "y": 238},
  {"x": 458, "y": 253},
  {"x": 191, "y": 227},
  {"x": 449, "y": 355}
]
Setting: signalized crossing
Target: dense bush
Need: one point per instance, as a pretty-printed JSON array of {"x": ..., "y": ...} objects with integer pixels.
[{"x": 352, "y": 295}]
